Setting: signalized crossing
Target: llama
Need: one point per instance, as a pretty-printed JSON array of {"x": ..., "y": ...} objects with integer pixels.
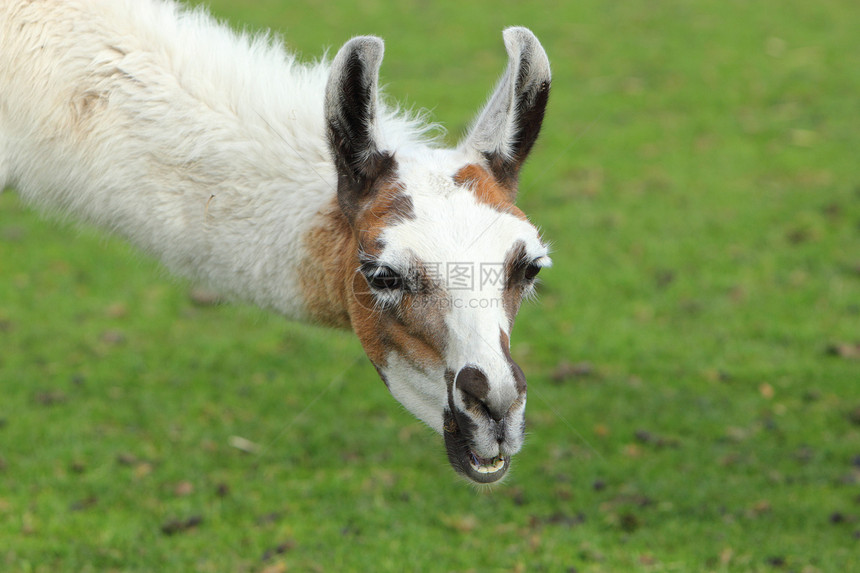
[{"x": 294, "y": 187}]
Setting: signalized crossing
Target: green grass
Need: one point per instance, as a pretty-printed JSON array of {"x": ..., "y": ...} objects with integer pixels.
[{"x": 698, "y": 178}]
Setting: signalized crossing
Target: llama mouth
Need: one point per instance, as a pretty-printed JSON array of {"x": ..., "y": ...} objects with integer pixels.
[
  {"x": 487, "y": 465},
  {"x": 465, "y": 460}
]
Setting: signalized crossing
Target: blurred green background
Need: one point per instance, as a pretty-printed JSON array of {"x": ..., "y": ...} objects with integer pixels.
[{"x": 693, "y": 359}]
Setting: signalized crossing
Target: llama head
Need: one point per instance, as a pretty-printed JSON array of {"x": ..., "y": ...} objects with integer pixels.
[{"x": 442, "y": 257}]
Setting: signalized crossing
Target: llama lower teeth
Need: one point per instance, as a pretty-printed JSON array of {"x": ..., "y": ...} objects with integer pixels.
[{"x": 486, "y": 466}]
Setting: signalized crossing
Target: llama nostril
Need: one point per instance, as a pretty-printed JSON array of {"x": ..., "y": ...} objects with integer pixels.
[{"x": 473, "y": 383}]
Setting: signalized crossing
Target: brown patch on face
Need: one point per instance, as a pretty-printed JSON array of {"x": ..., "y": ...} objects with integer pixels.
[
  {"x": 333, "y": 247},
  {"x": 512, "y": 295},
  {"x": 402, "y": 207},
  {"x": 413, "y": 328},
  {"x": 487, "y": 190},
  {"x": 390, "y": 206},
  {"x": 519, "y": 376},
  {"x": 324, "y": 273},
  {"x": 337, "y": 294}
]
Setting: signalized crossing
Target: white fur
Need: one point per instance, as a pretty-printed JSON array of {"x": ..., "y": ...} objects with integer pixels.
[{"x": 201, "y": 146}]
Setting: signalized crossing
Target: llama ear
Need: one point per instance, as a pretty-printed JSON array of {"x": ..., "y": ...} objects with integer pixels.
[
  {"x": 507, "y": 128},
  {"x": 351, "y": 121}
]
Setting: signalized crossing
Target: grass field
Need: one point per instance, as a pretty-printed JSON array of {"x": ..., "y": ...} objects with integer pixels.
[{"x": 693, "y": 359}]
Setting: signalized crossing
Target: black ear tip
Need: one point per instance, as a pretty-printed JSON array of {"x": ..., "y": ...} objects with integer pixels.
[
  {"x": 351, "y": 87},
  {"x": 367, "y": 48},
  {"x": 518, "y": 34},
  {"x": 522, "y": 45}
]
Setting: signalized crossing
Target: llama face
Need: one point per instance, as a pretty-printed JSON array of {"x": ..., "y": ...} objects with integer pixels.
[
  {"x": 440, "y": 257},
  {"x": 445, "y": 261}
]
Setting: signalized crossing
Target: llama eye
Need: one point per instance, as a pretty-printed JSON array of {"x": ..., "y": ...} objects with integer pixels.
[
  {"x": 384, "y": 278},
  {"x": 531, "y": 271}
]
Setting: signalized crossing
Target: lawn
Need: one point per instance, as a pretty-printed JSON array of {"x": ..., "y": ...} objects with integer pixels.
[{"x": 693, "y": 357}]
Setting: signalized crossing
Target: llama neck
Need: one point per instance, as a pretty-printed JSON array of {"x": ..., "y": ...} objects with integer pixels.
[{"x": 205, "y": 149}]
